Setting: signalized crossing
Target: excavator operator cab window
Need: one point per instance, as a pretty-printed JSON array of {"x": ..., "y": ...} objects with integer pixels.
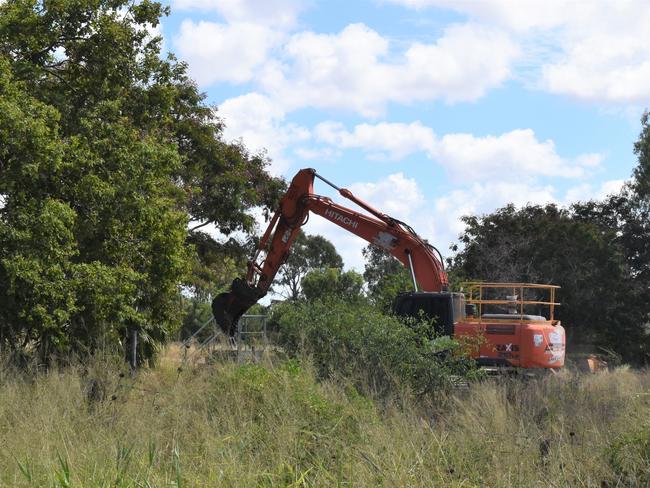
[{"x": 446, "y": 308}]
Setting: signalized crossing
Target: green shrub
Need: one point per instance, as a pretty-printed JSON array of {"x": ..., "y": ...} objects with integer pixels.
[{"x": 377, "y": 351}]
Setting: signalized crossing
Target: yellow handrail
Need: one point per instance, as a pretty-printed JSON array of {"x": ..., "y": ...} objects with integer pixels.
[{"x": 518, "y": 291}]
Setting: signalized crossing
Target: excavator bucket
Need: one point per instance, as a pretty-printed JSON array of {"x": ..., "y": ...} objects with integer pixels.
[{"x": 228, "y": 307}]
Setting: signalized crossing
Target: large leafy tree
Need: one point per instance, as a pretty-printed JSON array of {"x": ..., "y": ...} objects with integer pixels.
[
  {"x": 107, "y": 152},
  {"x": 641, "y": 183},
  {"x": 385, "y": 277},
  {"x": 307, "y": 253},
  {"x": 626, "y": 216},
  {"x": 637, "y": 225},
  {"x": 333, "y": 282}
]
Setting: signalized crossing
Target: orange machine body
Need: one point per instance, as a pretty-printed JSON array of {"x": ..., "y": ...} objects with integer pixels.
[{"x": 516, "y": 338}]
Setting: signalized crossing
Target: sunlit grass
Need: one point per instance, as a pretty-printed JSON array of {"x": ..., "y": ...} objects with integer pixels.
[{"x": 274, "y": 425}]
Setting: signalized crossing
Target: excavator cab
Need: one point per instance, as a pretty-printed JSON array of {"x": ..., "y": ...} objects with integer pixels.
[{"x": 446, "y": 308}]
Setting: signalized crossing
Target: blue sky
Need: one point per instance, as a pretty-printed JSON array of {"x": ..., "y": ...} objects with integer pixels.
[{"x": 429, "y": 109}]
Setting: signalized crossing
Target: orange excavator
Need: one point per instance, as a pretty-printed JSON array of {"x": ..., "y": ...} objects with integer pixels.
[{"x": 512, "y": 331}]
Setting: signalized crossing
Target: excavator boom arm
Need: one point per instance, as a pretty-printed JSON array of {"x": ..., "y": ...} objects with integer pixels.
[
  {"x": 379, "y": 229},
  {"x": 391, "y": 237}
]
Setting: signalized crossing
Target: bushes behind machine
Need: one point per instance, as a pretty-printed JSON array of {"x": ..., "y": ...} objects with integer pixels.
[{"x": 378, "y": 352}]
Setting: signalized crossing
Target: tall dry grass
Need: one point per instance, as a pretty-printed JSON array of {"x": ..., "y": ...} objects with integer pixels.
[{"x": 274, "y": 425}]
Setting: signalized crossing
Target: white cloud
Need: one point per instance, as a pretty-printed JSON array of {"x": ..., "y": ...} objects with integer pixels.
[
  {"x": 397, "y": 139},
  {"x": 323, "y": 153},
  {"x": 517, "y": 155},
  {"x": 437, "y": 220},
  {"x": 588, "y": 191},
  {"x": 595, "y": 51},
  {"x": 259, "y": 123},
  {"x": 482, "y": 198},
  {"x": 277, "y": 13},
  {"x": 357, "y": 70},
  {"x": 516, "y": 15},
  {"x": 610, "y": 187},
  {"x": 394, "y": 195},
  {"x": 223, "y": 52},
  {"x": 234, "y": 50},
  {"x": 510, "y": 156},
  {"x": 611, "y": 65}
]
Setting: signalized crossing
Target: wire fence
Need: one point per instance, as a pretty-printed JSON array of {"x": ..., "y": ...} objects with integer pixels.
[{"x": 249, "y": 343}]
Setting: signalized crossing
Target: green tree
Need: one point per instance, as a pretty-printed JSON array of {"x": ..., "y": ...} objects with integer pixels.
[
  {"x": 307, "y": 253},
  {"x": 215, "y": 264},
  {"x": 108, "y": 151},
  {"x": 626, "y": 218},
  {"x": 636, "y": 221},
  {"x": 385, "y": 276},
  {"x": 333, "y": 282},
  {"x": 641, "y": 182},
  {"x": 197, "y": 312}
]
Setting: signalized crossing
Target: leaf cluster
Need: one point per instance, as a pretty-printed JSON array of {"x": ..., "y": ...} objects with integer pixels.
[
  {"x": 333, "y": 282},
  {"x": 385, "y": 277}
]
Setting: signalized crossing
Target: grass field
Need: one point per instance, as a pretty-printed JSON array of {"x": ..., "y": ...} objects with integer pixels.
[{"x": 274, "y": 425}]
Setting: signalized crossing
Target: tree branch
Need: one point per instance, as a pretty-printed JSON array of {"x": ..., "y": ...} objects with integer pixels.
[{"x": 199, "y": 226}]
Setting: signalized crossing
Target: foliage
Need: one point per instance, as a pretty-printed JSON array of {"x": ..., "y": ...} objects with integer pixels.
[
  {"x": 625, "y": 218},
  {"x": 641, "y": 183},
  {"x": 108, "y": 152},
  {"x": 215, "y": 265},
  {"x": 385, "y": 276},
  {"x": 627, "y": 213},
  {"x": 333, "y": 282},
  {"x": 355, "y": 340},
  {"x": 634, "y": 224},
  {"x": 195, "y": 314},
  {"x": 307, "y": 253}
]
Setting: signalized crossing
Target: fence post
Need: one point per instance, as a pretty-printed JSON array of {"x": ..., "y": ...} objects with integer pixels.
[
  {"x": 239, "y": 331},
  {"x": 265, "y": 337},
  {"x": 134, "y": 351}
]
